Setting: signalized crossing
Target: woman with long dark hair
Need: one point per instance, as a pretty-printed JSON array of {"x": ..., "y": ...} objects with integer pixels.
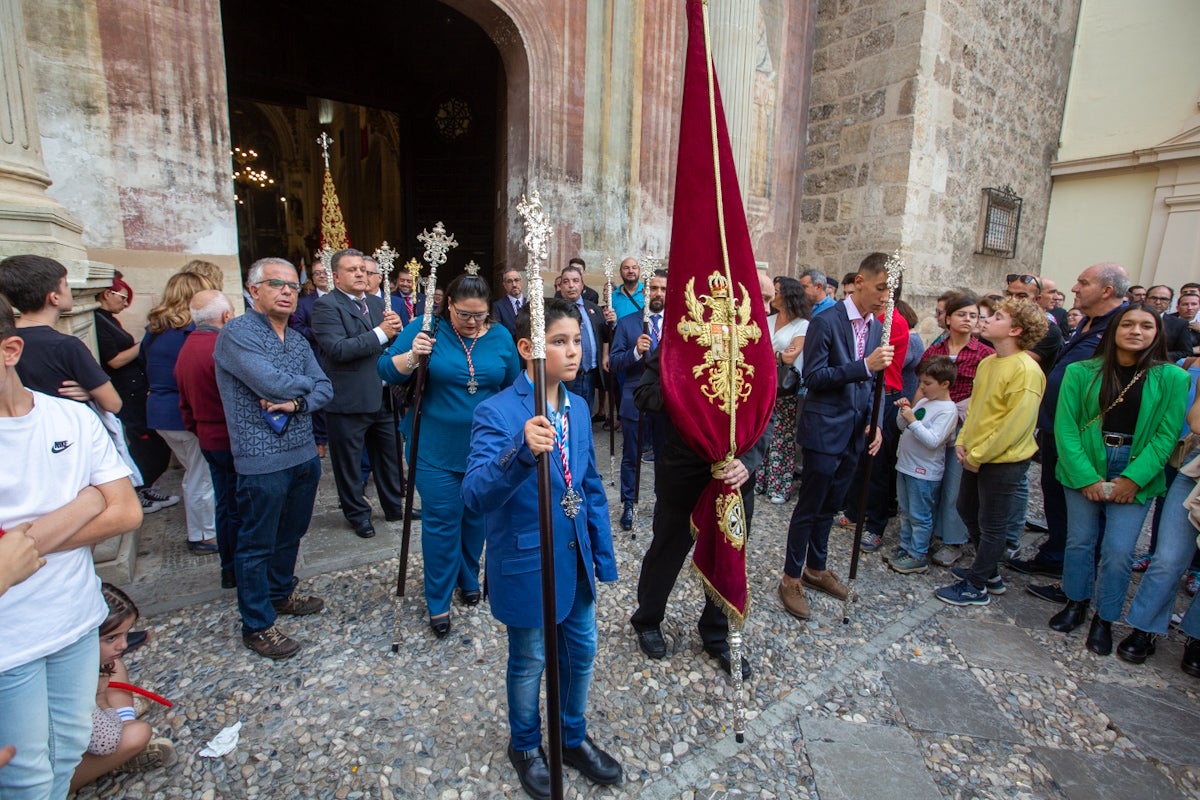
[
  {"x": 963, "y": 346},
  {"x": 1119, "y": 414},
  {"x": 787, "y": 328},
  {"x": 470, "y": 360}
]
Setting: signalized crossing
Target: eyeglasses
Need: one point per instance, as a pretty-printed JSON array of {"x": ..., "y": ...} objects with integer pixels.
[
  {"x": 469, "y": 316},
  {"x": 275, "y": 283},
  {"x": 512, "y": 280},
  {"x": 1026, "y": 279},
  {"x": 115, "y": 293},
  {"x": 1158, "y": 298}
]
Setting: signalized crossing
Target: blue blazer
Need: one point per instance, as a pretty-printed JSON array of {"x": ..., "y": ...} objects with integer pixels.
[
  {"x": 501, "y": 484},
  {"x": 401, "y": 308},
  {"x": 838, "y": 405},
  {"x": 623, "y": 360},
  {"x": 301, "y": 318},
  {"x": 502, "y": 312}
]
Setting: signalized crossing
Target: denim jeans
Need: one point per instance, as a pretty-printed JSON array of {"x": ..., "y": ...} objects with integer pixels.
[
  {"x": 46, "y": 711},
  {"x": 451, "y": 537},
  {"x": 989, "y": 502},
  {"x": 1151, "y": 608},
  {"x": 224, "y": 480},
  {"x": 275, "y": 509},
  {"x": 947, "y": 524},
  {"x": 1053, "y": 501},
  {"x": 583, "y": 385},
  {"x": 1121, "y": 524},
  {"x": 527, "y": 660},
  {"x": 918, "y": 502}
]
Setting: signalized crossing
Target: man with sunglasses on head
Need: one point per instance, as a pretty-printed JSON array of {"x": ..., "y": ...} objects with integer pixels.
[
  {"x": 270, "y": 383},
  {"x": 1031, "y": 287}
]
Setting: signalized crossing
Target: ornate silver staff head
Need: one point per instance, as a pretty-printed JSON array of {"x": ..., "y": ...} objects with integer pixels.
[
  {"x": 649, "y": 265},
  {"x": 610, "y": 264},
  {"x": 537, "y": 241},
  {"x": 385, "y": 256},
  {"x": 325, "y": 141},
  {"x": 437, "y": 244},
  {"x": 326, "y": 256},
  {"x": 895, "y": 272}
]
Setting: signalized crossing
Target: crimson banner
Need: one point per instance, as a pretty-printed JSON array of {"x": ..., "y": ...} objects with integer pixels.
[{"x": 718, "y": 366}]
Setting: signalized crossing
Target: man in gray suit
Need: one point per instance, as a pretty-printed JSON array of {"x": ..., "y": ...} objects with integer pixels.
[{"x": 352, "y": 330}]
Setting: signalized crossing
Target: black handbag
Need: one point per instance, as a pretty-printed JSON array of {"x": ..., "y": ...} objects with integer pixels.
[{"x": 787, "y": 380}]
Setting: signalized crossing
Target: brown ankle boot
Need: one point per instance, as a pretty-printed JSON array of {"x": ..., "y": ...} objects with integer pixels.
[
  {"x": 791, "y": 594},
  {"x": 824, "y": 581}
]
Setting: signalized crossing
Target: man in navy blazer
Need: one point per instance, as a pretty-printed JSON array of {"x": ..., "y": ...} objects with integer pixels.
[
  {"x": 352, "y": 330},
  {"x": 505, "y": 309},
  {"x": 843, "y": 357},
  {"x": 405, "y": 302},
  {"x": 302, "y": 317},
  {"x": 597, "y": 333},
  {"x": 630, "y": 348}
]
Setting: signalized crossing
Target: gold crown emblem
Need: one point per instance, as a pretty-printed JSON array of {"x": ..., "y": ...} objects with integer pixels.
[{"x": 717, "y": 286}]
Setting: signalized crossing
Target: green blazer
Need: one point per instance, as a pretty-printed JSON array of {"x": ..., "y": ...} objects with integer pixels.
[{"x": 1081, "y": 456}]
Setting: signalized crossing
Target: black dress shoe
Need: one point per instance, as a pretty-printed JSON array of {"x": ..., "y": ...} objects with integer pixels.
[
  {"x": 440, "y": 626},
  {"x": 470, "y": 598},
  {"x": 1050, "y": 592},
  {"x": 228, "y": 579},
  {"x": 532, "y": 771},
  {"x": 1137, "y": 647},
  {"x": 1073, "y": 615},
  {"x": 627, "y": 517},
  {"x": 1099, "y": 638},
  {"x": 1191, "y": 658},
  {"x": 595, "y": 764},
  {"x": 1036, "y": 566},
  {"x": 134, "y": 640},
  {"x": 726, "y": 663},
  {"x": 203, "y": 548},
  {"x": 364, "y": 530},
  {"x": 652, "y": 643}
]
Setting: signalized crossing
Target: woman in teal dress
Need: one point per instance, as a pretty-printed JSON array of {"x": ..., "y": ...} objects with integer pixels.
[{"x": 470, "y": 359}]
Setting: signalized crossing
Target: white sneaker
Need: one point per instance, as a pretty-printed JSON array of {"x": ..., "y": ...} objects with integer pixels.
[
  {"x": 148, "y": 505},
  {"x": 163, "y": 500},
  {"x": 778, "y": 499}
]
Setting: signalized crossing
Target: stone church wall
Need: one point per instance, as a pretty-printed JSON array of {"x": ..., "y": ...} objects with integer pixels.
[{"x": 917, "y": 106}]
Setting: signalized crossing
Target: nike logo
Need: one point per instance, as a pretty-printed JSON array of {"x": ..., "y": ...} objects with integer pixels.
[{"x": 59, "y": 447}]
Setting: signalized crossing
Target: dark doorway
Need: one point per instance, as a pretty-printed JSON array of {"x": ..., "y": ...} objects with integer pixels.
[{"x": 416, "y": 80}]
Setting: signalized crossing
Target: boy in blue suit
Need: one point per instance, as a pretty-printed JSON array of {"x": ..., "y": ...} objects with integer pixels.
[
  {"x": 501, "y": 482},
  {"x": 843, "y": 356}
]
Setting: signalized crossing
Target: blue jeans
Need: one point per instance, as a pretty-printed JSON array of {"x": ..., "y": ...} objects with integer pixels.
[
  {"x": 451, "y": 537},
  {"x": 1121, "y": 524},
  {"x": 1151, "y": 608},
  {"x": 917, "y": 499},
  {"x": 224, "y": 480},
  {"x": 46, "y": 711},
  {"x": 275, "y": 509},
  {"x": 947, "y": 524},
  {"x": 583, "y": 386},
  {"x": 527, "y": 660},
  {"x": 989, "y": 502}
]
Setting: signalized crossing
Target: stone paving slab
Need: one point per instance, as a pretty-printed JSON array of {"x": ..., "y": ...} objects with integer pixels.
[
  {"x": 995, "y": 645},
  {"x": 1106, "y": 777},
  {"x": 947, "y": 700},
  {"x": 1161, "y": 722},
  {"x": 894, "y": 768}
]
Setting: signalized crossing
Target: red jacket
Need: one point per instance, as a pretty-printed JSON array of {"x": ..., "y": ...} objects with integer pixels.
[
  {"x": 199, "y": 400},
  {"x": 891, "y": 375}
]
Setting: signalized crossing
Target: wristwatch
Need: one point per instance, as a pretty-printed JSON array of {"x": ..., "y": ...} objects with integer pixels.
[{"x": 301, "y": 404}]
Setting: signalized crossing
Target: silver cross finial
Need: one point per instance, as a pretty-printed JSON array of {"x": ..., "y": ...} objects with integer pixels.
[
  {"x": 325, "y": 141},
  {"x": 437, "y": 244}
]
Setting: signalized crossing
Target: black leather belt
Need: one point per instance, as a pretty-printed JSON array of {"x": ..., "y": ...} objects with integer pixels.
[{"x": 1117, "y": 440}]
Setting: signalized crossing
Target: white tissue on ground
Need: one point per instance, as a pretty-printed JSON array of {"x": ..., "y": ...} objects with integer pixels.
[{"x": 223, "y": 743}]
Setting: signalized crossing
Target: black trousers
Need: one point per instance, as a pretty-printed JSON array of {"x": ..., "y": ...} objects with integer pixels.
[
  {"x": 348, "y": 435},
  {"x": 664, "y": 559}
]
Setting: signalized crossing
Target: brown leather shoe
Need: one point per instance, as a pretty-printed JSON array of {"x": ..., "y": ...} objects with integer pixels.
[
  {"x": 824, "y": 581},
  {"x": 299, "y": 605},
  {"x": 791, "y": 594},
  {"x": 271, "y": 643}
]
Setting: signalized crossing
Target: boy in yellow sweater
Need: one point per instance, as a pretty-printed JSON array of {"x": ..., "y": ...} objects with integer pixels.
[{"x": 995, "y": 446}]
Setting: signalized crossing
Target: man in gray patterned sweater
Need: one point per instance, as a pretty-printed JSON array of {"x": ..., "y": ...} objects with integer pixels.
[{"x": 270, "y": 384}]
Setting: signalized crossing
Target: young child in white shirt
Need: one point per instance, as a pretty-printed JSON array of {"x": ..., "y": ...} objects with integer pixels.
[{"x": 926, "y": 425}]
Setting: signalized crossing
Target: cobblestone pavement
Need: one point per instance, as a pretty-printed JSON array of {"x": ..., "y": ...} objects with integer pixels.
[{"x": 912, "y": 698}]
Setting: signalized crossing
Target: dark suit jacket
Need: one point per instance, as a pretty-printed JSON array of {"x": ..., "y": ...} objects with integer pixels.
[
  {"x": 1179, "y": 337},
  {"x": 349, "y": 351},
  {"x": 622, "y": 359},
  {"x": 838, "y": 404},
  {"x": 603, "y": 333},
  {"x": 302, "y": 318},
  {"x": 502, "y": 312},
  {"x": 401, "y": 308}
]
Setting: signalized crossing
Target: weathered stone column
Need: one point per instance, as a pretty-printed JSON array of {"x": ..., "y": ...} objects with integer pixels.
[
  {"x": 734, "y": 39},
  {"x": 30, "y": 220}
]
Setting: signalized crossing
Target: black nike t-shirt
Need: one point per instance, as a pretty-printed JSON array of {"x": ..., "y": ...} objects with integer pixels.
[{"x": 50, "y": 357}]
